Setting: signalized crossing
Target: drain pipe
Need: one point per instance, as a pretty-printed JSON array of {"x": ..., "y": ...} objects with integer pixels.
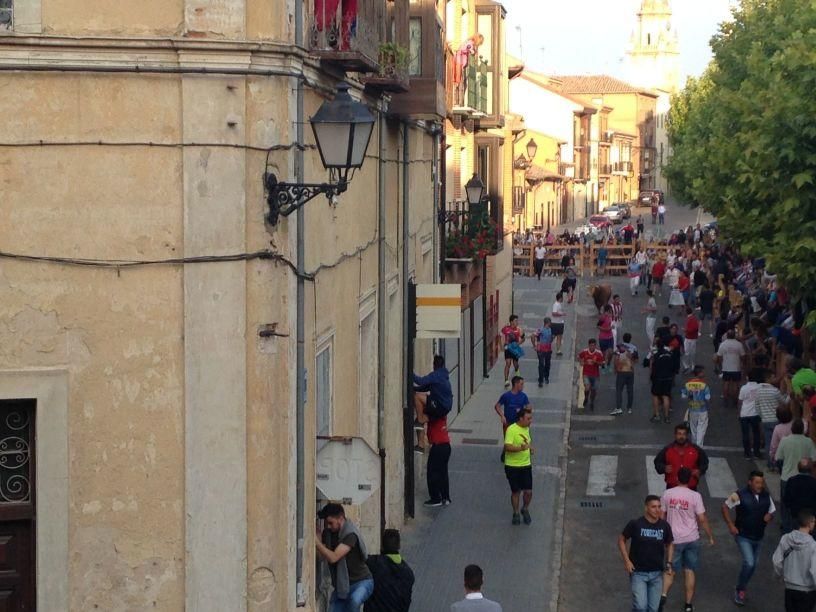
[
  {"x": 300, "y": 335},
  {"x": 381, "y": 322},
  {"x": 407, "y": 333}
]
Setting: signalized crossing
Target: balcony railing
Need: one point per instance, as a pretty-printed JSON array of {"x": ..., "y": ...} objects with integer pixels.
[
  {"x": 348, "y": 38},
  {"x": 468, "y": 93},
  {"x": 605, "y": 169},
  {"x": 624, "y": 167}
]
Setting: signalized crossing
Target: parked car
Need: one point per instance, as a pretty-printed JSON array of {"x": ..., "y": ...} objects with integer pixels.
[
  {"x": 626, "y": 210},
  {"x": 600, "y": 221},
  {"x": 645, "y": 197},
  {"x": 614, "y": 213}
]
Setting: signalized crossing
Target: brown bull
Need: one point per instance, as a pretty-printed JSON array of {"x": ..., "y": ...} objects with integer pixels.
[{"x": 600, "y": 294}]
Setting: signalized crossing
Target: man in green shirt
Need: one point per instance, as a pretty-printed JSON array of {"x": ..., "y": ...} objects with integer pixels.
[
  {"x": 791, "y": 450},
  {"x": 517, "y": 465},
  {"x": 800, "y": 376}
]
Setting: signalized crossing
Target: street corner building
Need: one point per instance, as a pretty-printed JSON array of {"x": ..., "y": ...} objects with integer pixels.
[{"x": 174, "y": 348}]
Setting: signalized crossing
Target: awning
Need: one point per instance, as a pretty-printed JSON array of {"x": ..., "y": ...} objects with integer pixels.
[{"x": 537, "y": 174}]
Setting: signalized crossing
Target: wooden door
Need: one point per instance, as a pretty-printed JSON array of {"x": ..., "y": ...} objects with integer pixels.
[{"x": 17, "y": 506}]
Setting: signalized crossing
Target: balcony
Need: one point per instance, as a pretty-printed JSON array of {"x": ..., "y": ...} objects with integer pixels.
[
  {"x": 606, "y": 137},
  {"x": 393, "y": 53},
  {"x": 468, "y": 88},
  {"x": 471, "y": 234},
  {"x": 427, "y": 61},
  {"x": 349, "y": 40},
  {"x": 605, "y": 169},
  {"x": 492, "y": 68},
  {"x": 622, "y": 168}
]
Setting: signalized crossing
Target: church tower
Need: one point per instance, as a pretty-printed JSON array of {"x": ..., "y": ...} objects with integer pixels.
[{"x": 653, "y": 56}]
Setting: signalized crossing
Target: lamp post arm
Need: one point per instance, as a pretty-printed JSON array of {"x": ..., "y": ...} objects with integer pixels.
[{"x": 286, "y": 198}]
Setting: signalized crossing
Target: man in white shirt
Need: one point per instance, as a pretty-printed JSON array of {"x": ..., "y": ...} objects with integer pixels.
[
  {"x": 474, "y": 601},
  {"x": 749, "y": 417},
  {"x": 651, "y": 316},
  {"x": 539, "y": 253},
  {"x": 557, "y": 318},
  {"x": 661, "y": 214},
  {"x": 730, "y": 356}
]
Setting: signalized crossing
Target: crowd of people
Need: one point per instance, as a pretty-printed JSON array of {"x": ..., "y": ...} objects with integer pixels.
[{"x": 709, "y": 291}]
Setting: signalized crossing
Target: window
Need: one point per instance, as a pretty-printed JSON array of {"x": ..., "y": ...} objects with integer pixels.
[
  {"x": 324, "y": 394},
  {"x": 6, "y": 14},
  {"x": 415, "y": 47}
]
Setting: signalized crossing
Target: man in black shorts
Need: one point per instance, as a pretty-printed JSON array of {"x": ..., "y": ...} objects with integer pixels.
[
  {"x": 557, "y": 317},
  {"x": 662, "y": 373},
  {"x": 518, "y": 466}
]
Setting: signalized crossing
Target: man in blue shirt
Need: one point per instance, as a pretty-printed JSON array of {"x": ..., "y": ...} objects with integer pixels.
[
  {"x": 433, "y": 397},
  {"x": 510, "y": 403}
]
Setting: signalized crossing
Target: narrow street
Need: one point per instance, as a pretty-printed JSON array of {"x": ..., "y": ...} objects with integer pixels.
[{"x": 518, "y": 561}]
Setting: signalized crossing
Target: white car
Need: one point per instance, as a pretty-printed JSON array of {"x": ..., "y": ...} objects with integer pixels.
[{"x": 613, "y": 213}]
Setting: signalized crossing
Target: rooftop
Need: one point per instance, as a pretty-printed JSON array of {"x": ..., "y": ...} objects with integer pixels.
[{"x": 597, "y": 84}]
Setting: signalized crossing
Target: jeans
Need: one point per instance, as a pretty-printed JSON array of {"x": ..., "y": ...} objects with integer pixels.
[
  {"x": 624, "y": 380},
  {"x": 544, "y": 361},
  {"x": 538, "y": 266},
  {"x": 750, "y": 427},
  {"x": 646, "y": 588},
  {"x": 359, "y": 592},
  {"x": 767, "y": 430},
  {"x": 438, "y": 484},
  {"x": 749, "y": 549},
  {"x": 799, "y": 601}
]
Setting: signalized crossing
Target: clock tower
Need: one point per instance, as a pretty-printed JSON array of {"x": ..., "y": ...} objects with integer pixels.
[{"x": 653, "y": 56}]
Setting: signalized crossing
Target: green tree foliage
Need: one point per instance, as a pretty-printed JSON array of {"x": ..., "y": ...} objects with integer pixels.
[{"x": 744, "y": 136}]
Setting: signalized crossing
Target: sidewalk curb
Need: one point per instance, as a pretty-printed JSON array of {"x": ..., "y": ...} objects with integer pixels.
[{"x": 558, "y": 540}]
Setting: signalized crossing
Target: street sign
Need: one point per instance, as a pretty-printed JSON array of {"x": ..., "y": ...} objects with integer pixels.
[
  {"x": 439, "y": 310},
  {"x": 348, "y": 470}
]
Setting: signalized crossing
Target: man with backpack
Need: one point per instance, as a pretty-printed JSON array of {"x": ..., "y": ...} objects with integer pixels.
[
  {"x": 433, "y": 396},
  {"x": 542, "y": 342}
]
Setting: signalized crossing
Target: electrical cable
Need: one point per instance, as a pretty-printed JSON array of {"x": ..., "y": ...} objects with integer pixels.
[{"x": 103, "y": 143}]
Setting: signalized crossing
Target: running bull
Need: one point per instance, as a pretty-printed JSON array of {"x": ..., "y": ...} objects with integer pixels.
[{"x": 600, "y": 294}]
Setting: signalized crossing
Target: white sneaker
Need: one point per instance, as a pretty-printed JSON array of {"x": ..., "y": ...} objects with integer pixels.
[
  {"x": 506, "y": 384},
  {"x": 616, "y": 412}
]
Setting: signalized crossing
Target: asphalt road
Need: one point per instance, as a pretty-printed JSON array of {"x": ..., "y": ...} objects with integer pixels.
[{"x": 610, "y": 472}]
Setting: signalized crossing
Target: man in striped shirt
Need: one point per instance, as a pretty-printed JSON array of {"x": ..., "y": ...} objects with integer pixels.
[{"x": 768, "y": 400}]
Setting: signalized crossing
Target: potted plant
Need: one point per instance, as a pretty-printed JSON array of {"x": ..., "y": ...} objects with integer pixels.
[{"x": 393, "y": 59}]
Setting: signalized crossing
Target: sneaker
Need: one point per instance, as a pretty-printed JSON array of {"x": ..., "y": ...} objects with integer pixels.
[
  {"x": 418, "y": 426},
  {"x": 526, "y": 516},
  {"x": 506, "y": 384},
  {"x": 559, "y": 353},
  {"x": 616, "y": 412},
  {"x": 430, "y": 503},
  {"x": 654, "y": 418},
  {"x": 446, "y": 502},
  {"x": 665, "y": 419},
  {"x": 540, "y": 384},
  {"x": 418, "y": 449},
  {"x": 688, "y": 608},
  {"x": 546, "y": 381},
  {"x": 662, "y": 604},
  {"x": 629, "y": 411},
  {"x": 516, "y": 519},
  {"x": 739, "y": 597}
]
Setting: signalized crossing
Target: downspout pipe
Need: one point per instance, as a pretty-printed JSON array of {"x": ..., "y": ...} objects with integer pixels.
[
  {"x": 407, "y": 320},
  {"x": 381, "y": 322},
  {"x": 300, "y": 335}
]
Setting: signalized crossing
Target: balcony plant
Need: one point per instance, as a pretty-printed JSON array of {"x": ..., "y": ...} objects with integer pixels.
[
  {"x": 472, "y": 237},
  {"x": 393, "y": 60}
]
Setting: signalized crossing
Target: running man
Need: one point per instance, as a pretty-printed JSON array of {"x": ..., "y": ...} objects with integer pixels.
[
  {"x": 557, "y": 319},
  {"x": 617, "y": 317},
  {"x": 591, "y": 360},
  {"x": 650, "y": 555},
  {"x": 513, "y": 337},
  {"x": 518, "y": 466},
  {"x": 510, "y": 404},
  {"x": 698, "y": 394},
  {"x": 542, "y": 342},
  {"x": 692, "y": 333},
  {"x": 606, "y": 334},
  {"x": 651, "y": 316},
  {"x": 684, "y": 510}
]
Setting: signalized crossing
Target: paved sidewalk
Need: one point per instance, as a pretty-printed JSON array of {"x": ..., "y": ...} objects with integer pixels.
[{"x": 476, "y": 528}]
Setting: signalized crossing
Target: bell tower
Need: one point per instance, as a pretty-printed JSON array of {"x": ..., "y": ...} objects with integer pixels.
[{"x": 653, "y": 56}]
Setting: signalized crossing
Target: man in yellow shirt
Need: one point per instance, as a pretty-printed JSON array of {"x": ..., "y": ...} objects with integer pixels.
[{"x": 517, "y": 465}]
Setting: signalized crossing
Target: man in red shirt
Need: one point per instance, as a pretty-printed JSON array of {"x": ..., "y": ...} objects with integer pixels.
[
  {"x": 684, "y": 287},
  {"x": 658, "y": 272},
  {"x": 692, "y": 333},
  {"x": 438, "y": 458},
  {"x": 679, "y": 454},
  {"x": 591, "y": 360},
  {"x": 606, "y": 334}
]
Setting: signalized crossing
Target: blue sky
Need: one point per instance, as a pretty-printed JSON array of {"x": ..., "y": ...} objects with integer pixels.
[{"x": 590, "y": 36}]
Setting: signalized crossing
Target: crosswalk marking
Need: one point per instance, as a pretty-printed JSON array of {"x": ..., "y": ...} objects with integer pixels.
[
  {"x": 655, "y": 481},
  {"x": 603, "y": 474},
  {"x": 720, "y": 478}
]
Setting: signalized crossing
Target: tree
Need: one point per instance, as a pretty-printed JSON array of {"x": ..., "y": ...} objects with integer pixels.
[{"x": 744, "y": 136}]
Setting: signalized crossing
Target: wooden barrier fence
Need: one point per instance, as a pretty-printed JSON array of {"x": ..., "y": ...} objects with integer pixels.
[{"x": 524, "y": 258}]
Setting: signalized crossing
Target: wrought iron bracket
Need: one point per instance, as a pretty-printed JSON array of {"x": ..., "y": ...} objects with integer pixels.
[{"x": 286, "y": 198}]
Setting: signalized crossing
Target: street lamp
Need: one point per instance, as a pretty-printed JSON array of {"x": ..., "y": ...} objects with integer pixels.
[
  {"x": 475, "y": 190},
  {"x": 532, "y": 148},
  {"x": 342, "y": 129}
]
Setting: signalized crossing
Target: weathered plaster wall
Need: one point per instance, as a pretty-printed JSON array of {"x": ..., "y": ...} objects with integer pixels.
[{"x": 118, "y": 334}]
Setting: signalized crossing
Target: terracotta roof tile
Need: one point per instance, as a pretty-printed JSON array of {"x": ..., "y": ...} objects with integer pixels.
[{"x": 600, "y": 84}]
